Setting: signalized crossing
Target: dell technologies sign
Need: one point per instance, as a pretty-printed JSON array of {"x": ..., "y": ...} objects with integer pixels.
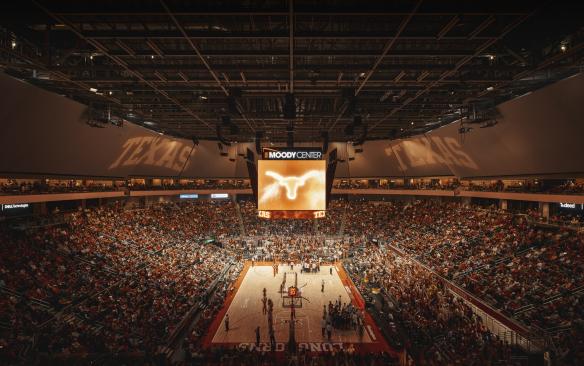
[{"x": 296, "y": 154}]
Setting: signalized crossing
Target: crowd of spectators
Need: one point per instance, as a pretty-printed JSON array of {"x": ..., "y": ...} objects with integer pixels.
[
  {"x": 115, "y": 280},
  {"x": 13, "y": 187},
  {"x": 298, "y": 249},
  {"x": 331, "y": 224},
  {"x": 516, "y": 267},
  {"x": 39, "y": 186},
  {"x": 110, "y": 280},
  {"x": 440, "y": 328},
  {"x": 236, "y": 357},
  {"x": 42, "y": 186},
  {"x": 196, "y": 184},
  {"x": 518, "y": 186},
  {"x": 256, "y": 226}
]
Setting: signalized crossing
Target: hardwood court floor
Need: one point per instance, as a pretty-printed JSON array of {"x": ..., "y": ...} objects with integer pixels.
[{"x": 245, "y": 309}]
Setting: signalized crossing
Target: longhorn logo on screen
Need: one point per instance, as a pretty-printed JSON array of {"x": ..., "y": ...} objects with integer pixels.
[{"x": 292, "y": 183}]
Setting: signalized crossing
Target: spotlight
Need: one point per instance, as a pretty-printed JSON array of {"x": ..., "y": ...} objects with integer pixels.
[
  {"x": 563, "y": 47},
  {"x": 13, "y": 44}
]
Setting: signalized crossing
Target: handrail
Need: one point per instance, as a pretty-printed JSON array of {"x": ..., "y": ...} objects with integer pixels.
[
  {"x": 179, "y": 329},
  {"x": 489, "y": 310}
]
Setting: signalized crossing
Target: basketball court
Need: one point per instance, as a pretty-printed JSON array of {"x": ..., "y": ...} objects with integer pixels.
[{"x": 245, "y": 311}]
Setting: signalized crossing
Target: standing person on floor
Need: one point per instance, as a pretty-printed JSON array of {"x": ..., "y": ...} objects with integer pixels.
[
  {"x": 322, "y": 286},
  {"x": 329, "y": 330},
  {"x": 272, "y": 340},
  {"x": 227, "y": 322},
  {"x": 257, "y": 334},
  {"x": 323, "y": 325}
]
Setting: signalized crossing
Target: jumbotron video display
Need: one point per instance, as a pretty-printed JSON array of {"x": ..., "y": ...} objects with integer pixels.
[{"x": 291, "y": 185}]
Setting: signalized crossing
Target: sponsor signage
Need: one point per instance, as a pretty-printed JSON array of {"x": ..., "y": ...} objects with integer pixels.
[
  {"x": 291, "y": 214},
  {"x": 15, "y": 206},
  {"x": 292, "y": 154},
  {"x": 571, "y": 205},
  {"x": 219, "y": 195},
  {"x": 189, "y": 196}
]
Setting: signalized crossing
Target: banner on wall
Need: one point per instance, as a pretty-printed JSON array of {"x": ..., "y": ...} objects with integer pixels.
[{"x": 539, "y": 133}]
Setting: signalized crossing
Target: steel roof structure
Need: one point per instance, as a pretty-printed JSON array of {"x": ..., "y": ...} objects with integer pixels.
[{"x": 178, "y": 67}]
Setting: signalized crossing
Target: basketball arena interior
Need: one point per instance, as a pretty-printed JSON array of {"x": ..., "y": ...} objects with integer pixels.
[{"x": 291, "y": 183}]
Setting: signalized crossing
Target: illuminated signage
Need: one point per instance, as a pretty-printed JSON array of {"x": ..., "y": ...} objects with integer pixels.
[
  {"x": 13, "y": 206},
  {"x": 572, "y": 205},
  {"x": 319, "y": 214},
  {"x": 264, "y": 214},
  {"x": 189, "y": 196},
  {"x": 297, "y": 154},
  {"x": 219, "y": 195},
  {"x": 306, "y": 215}
]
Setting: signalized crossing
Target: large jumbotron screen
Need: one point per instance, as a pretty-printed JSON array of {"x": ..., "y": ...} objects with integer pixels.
[{"x": 291, "y": 185}]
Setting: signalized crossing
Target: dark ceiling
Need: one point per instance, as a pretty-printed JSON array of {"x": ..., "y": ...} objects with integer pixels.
[{"x": 404, "y": 66}]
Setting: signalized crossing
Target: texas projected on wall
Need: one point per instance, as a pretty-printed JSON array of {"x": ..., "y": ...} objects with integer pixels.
[{"x": 291, "y": 185}]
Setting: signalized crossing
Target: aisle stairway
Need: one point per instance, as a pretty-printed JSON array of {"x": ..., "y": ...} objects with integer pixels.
[
  {"x": 240, "y": 218},
  {"x": 343, "y": 220}
]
